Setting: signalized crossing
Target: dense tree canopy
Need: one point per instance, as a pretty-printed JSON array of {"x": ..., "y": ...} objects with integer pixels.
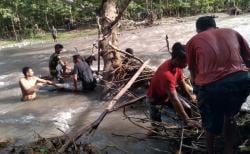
[{"x": 23, "y": 18}]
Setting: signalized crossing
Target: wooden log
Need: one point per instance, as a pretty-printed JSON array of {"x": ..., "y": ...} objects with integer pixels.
[
  {"x": 116, "y": 48},
  {"x": 88, "y": 129},
  {"x": 127, "y": 86},
  {"x": 128, "y": 103}
]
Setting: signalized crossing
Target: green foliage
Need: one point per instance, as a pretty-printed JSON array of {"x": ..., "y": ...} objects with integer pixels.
[{"x": 22, "y": 17}]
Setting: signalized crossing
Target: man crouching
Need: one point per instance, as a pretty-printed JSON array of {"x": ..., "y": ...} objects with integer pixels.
[{"x": 162, "y": 89}]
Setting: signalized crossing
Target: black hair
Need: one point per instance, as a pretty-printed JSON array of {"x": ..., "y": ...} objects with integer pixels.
[
  {"x": 75, "y": 57},
  {"x": 58, "y": 46},
  {"x": 129, "y": 50},
  {"x": 25, "y": 70},
  {"x": 205, "y": 22},
  {"x": 178, "y": 51}
]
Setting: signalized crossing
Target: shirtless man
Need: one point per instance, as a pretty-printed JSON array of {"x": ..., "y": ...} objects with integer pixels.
[{"x": 29, "y": 84}]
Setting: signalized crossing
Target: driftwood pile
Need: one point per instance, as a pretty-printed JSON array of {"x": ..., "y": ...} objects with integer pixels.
[{"x": 120, "y": 76}]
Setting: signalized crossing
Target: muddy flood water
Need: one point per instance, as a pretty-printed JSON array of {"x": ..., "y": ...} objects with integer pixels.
[{"x": 20, "y": 121}]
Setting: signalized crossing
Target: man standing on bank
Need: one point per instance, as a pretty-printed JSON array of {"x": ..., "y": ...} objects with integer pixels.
[{"x": 218, "y": 60}]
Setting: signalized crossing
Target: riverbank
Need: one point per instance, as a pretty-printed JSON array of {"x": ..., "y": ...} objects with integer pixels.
[{"x": 45, "y": 38}]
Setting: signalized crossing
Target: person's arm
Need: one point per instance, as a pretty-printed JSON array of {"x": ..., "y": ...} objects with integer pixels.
[
  {"x": 180, "y": 109},
  {"x": 75, "y": 81},
  {"x": 191, "y": 60},
  {"x": 75, "y": 77},
  {"x": 244, "y": 50},
  {"x": 48, "y": 82},
  {"x": 186, "y": 89},
  {"x": 43, "y": 81},
  {"x": 174, "y": 99},
  {"x": 27, "y": 90}
]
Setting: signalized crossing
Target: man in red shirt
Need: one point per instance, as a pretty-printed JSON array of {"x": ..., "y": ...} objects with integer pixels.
[
  {"x": 219, "y": 59},
  {"x": 162, "y": 89}
]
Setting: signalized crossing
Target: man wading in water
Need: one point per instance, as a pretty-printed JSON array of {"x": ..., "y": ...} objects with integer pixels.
[
  {"x": 83, "y": 72},
  {"x": 29, "y": 84}
]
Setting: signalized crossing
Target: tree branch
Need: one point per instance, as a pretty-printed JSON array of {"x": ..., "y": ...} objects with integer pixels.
[{"x": 118, "y": 17}]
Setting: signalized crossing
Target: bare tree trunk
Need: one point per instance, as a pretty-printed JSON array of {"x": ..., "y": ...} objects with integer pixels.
[
  {"x": 20, "y": 28},
  {"x": 47, "y": 22},
  {"x": 147, "y": 5},
  {"x": 108, "y": 27},
  {"x": 13, "y": 28}
]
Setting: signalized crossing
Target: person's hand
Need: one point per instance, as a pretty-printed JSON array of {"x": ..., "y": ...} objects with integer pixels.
[
  {"x": 49, "y": 82},
  {"x": 60, "y": 86},
  {"x": 193, "y": 124},
  {"x": 193, "y": 98}
]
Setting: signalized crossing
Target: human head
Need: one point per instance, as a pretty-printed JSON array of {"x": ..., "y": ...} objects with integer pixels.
[
  {"x": 76, "y": 58},
  {"x": 58, "y": 48},
  {"x": 90, "y": 59},
  {"x": 28, "y": 72},
  {"x": 130, "y": 51},
  {"x": 178, "y": 55},
  {"x": 205, "y": 23}
]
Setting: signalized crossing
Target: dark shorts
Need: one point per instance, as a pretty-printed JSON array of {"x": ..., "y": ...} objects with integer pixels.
[
  {"x": 53, "y": 73},
  {"x": 222, "y": 98},
  {"x": 154, "y": 110},
  {"x": 88, "y": 86}
]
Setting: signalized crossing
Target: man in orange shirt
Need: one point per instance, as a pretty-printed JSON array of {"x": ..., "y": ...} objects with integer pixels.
[{"x": 219, "y": 59}]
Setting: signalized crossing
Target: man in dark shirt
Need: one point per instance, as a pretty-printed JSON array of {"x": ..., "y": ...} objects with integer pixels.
[{"x": 83, "y": 72}]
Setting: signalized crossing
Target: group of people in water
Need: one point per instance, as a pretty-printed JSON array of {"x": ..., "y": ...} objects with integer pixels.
[
  {"x": 218, "y": 60},
  {"x": 59, "y": 70}
]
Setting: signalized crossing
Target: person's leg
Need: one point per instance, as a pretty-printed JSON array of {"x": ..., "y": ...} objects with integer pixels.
[
  {"x": 210, "y": 138},
  {"x": 154, "y": 113},
  {"x": 238, "y": 93},
  {"x": 212, "y": 115},
  {"x": 229, "y": 134}
]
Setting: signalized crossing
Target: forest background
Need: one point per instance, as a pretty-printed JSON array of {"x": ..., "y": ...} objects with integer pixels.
[{"x": 33, "y": 19}]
